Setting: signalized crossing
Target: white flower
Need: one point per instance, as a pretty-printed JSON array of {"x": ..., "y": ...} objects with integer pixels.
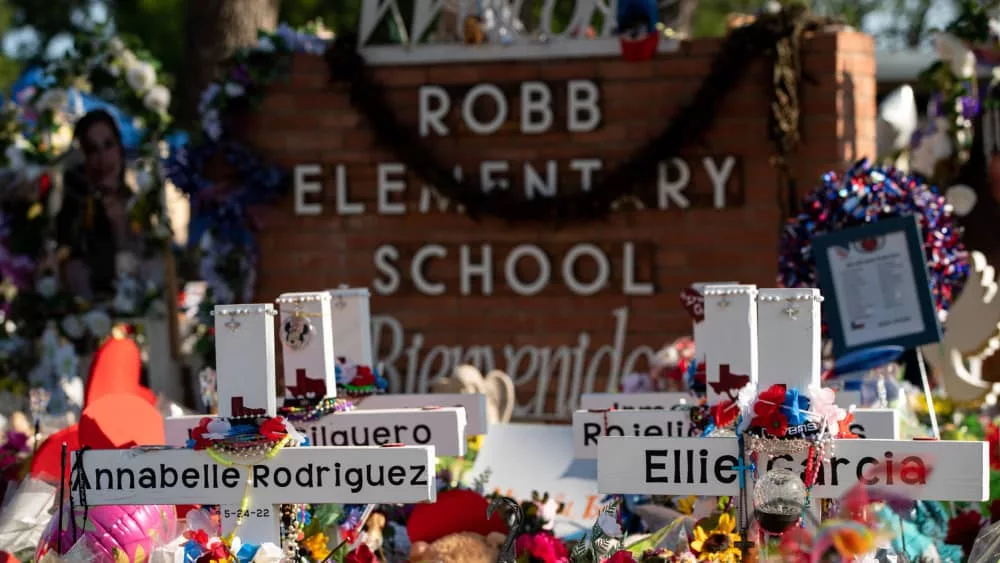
[
  {"x": 218, "y": 429},
  {"x": 234, "y": 90},
  {"x": 268, "y": 553},
  {"x": 98, "y": 323},
  {"x": 296, "y": 437},
  {"x": 953, "y": 52},
  {"x": 54, "y": 99},
  {"x": 265, "y": 45},
  {"x": 157, "y": 99},
  {"x": 143, "y": 180},
  {"x": 548, "y": 511},
  {"x": 15, "y": 157},
  {"x": 47, "y": 286},
  {"x": 208, "y": 96},
  {"x": 67, "y": 361},
  {"x": 211, "y": 124},
  {"x": 609, "y": 525},
  {"x": 60, "y": 140},
  {"x": 115, "y": 46},
  {"x": 72, "y": 326},
  {"x": 141, "y": 76}
]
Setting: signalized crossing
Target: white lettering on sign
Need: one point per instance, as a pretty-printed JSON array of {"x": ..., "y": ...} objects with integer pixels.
[
  {"x": 490, "y": 263},
  {"x": 297, "y": 476},
  {"x": 633, "y": 401},
  {"x": 533, "y": 179},
  {"x": 576, "y": 367},
  {"x": 444, "y": 22},
  {"x": 921, "y": 470},
  {"x": 443, "y": 428},
  {"x": 590, "y": 426}
]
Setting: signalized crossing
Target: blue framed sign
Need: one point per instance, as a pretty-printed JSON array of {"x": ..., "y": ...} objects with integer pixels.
[{"x": 875, "y": 286}]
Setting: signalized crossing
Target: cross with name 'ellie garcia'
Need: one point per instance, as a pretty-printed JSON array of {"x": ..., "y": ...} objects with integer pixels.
[
  {"x": 789, "y": 353},
  {"x": 249, "y": 489}
]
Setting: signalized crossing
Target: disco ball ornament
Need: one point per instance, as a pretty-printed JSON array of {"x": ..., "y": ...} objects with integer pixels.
[{"x": 779, "y": 498}]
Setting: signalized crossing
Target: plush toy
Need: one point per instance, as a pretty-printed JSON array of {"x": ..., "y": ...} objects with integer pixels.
[
  {"x": 463, "y": 547},
  {"x": 497, "y": 386}
]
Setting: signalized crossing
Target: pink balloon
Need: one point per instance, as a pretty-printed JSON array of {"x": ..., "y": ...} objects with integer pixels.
[{"x": 125, "y": 528}]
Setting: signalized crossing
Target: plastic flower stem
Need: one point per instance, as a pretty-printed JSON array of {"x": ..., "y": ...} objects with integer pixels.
[{"x": 927, "y": 395}]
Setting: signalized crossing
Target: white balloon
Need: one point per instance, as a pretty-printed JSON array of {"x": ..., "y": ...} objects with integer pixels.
[
  {"x": 962, "y": 198},
  {"x": 898, "y": 119}
]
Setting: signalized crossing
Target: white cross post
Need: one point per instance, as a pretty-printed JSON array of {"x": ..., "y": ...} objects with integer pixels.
[
  {"x": 317, "y": 475},
  {"x": 353, "y": 338},
  {"x": 785, "y": 318},
  {"x": 307, "y": 337},
  {"x": 922, "y": 470}
]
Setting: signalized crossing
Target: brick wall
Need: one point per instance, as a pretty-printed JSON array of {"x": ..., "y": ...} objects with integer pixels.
[{"x": 310, "y": 121}]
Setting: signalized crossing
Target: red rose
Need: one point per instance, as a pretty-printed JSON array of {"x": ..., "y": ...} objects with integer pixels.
[
  {"x": 363, "y": 376},
  {"x": 361, "y": 554},
  {"x": 199, "y": 537},
  {"x": 273, "y": 428},
  {"x": 621, "y": 557},
  {"x": 198, "y": 434}
]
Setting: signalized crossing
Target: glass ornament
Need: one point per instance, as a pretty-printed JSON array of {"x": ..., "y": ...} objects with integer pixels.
[{"x": 779, "y": 498}]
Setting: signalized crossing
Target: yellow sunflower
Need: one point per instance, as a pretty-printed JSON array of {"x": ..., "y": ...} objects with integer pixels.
[
  {"x": 318, "y": 546},
  {"x": 686, "y": 505},
  {"x": 718, "y": 544}
]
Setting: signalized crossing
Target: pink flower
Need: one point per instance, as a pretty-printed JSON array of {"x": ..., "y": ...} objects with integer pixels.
[
  {"x": 17, "y": 441},
  {"x": 542, "y": 547},
  {"x": 824, "y": 404}
]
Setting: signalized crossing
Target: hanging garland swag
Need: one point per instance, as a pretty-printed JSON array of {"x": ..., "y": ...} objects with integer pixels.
[{"x": 768, "y": 36}]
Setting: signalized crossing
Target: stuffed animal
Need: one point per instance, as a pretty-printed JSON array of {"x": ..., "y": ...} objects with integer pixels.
[
  {"x": 463, "y": 547},
  {"x": 497, "y": 386}
]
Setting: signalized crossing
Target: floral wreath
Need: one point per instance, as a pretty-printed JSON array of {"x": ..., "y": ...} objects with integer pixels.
[
  {"x": 228, "y": 253},
  {"x": 121, "y": 73}
]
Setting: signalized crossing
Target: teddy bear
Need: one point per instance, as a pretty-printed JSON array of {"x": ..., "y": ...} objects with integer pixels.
[
  {"x": 497, "y": 386},
  {"x": 461, "y": 547}
]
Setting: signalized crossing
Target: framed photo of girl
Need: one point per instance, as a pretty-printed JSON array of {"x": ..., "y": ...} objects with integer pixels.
[{"x": 875, "y": 286}]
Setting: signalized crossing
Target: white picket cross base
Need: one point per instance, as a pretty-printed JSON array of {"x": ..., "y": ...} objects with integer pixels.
[
  {"x": 444, "y": 428},
  {"x": 959, "y": 471},
  {"x": 245, "y": 366},
  {"x": 473, "y": 403},
  {"x": 590, "y": 427},
  {"x": 294, "y": 476},
  {"x": 639, "y": 401}
]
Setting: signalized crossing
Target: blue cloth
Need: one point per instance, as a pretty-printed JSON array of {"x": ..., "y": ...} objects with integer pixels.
[
  {"x": 632, "y": 12},
  {"x": 867, "y": 359}
]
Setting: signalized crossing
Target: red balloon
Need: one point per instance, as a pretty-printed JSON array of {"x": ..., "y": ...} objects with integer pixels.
[
  {"x": 121, "y": 420},
  {"x": 45, "y": 464},
  {"x": 455, "y": 511},
  {"x": 116, "y": 369}
]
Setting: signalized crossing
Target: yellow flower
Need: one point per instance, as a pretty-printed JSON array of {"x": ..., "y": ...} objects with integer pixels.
[
  {"x": 718, "y": 544},
  {"x": 318, "y": 546},
  {"x": 474, "y": 443},
  {"x": 686, "y": 505}
]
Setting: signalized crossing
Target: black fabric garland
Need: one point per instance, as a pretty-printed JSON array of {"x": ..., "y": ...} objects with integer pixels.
[{"x": 694, "y": 118}]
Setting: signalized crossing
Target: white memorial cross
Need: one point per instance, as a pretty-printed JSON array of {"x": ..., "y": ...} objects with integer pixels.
[
  {"x": 245, "y": 355},
  {"x": 305, "y": 330},
  {"x": 352, "y": 336},
  {"x": 921, "y": 470},
  {"x": 785, "y": 318}
]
